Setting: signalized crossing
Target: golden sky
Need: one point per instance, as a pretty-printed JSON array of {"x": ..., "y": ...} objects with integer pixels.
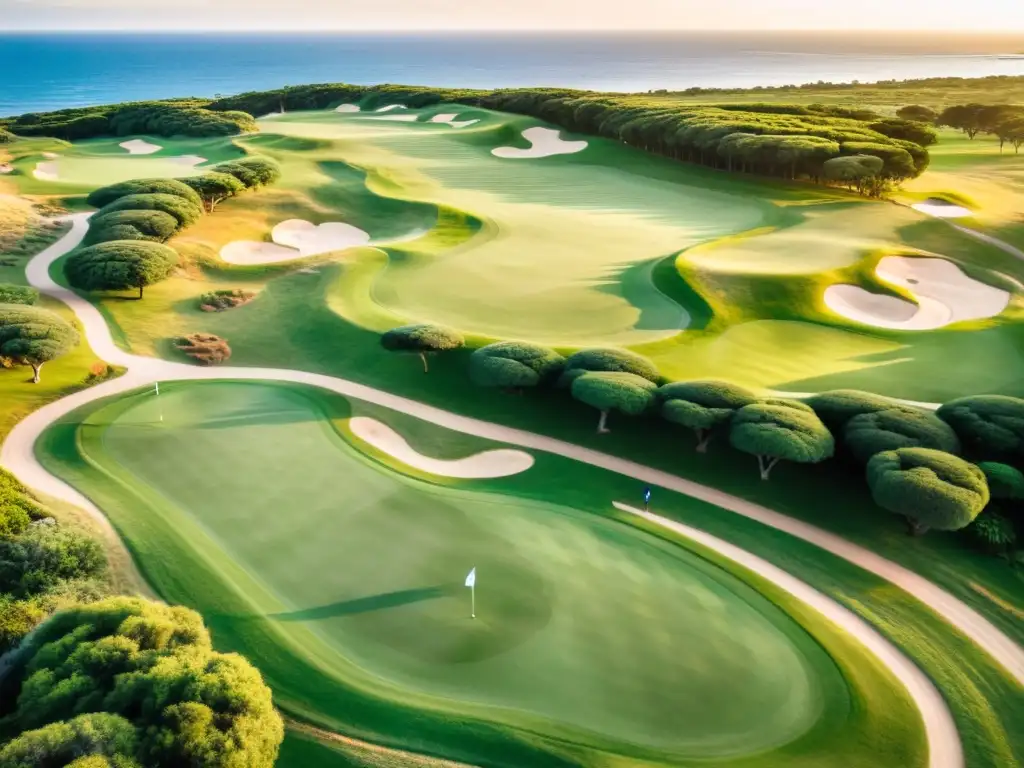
[{"x": 323, "y": 15}]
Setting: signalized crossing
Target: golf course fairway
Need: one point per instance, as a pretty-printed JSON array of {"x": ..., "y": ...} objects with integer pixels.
[{"x": 588, "y": 631}]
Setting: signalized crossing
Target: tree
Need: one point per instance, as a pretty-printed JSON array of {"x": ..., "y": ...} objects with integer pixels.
[
  {"x": 151, "y": 666},
  {"x": 963, "y": 117},
  {"x": 33, "y": 336},
  {"x": 987, "y": 425},
  {"x": 775, "y": 432},
  {"x": 423, "y": 339},
  {"x": 618, "y": 391},
  {"x": 931, "y": 489},
  {"x": 80, "y": 742},
  {"x": 251, "y": 171},
  {"x": 213, "y": 188},
  {"x": 104, "y": 196},
  {"x": 1004, "y": 482},
  {"x": 702, "y": 406},
  {"x": 836, "y": 407},
  {"x": 608, "y": 360},
  {"x": 856, "y": 171},
  {"x": 908, "y": 130},
  {"x": 184, "y": 211},
  {"x": 17, "y": 294},
  {"x": 514, "y": 365},
  {"x": 917, "y": 113},
  {"x": 120, "y": 265},
  {"x": 871, "y": 433},
  {"x": 1010, "y": 131},
  {"x": 152, "y": 226}
]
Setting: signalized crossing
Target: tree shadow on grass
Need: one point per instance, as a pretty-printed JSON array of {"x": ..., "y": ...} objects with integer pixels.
[{"x": 367, "y": 604}]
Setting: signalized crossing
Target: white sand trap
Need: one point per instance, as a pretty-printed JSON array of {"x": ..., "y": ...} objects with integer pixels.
[
  {"x": 392, "y": 107},
  {"x": 295, "y": 239},
  {"x": 140, "y": 147},
  {"x": 941, "y": 209},
  {"x": 397, "y": 118},
  {"x": 944, "y": 295},
  {"x": 187, "y": 160},
  {"x": 347, "y": 108},
  {"x": 545, "y": 142},
  {"x": 450, "y": 120},
  {"x": 499, "y": 463},
  {"x": 46, "y": 171}
]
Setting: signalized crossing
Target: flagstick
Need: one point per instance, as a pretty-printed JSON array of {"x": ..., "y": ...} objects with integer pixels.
[
  {"x": 472, "y": 597},
  {"x": 159, "y": 405}
]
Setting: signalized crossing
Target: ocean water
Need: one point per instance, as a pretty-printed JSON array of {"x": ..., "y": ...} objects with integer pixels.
[{"x": 52, "y": 71}]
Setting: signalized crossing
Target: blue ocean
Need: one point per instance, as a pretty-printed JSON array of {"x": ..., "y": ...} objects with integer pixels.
[{"x": 52, "y": 71}]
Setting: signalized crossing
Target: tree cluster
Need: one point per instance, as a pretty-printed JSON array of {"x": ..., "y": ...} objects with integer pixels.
[
  {"x": 33, "y": 336},
  {"x": 1004, "y": 121}
]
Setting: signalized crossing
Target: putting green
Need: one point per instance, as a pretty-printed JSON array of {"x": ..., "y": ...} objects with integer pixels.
[{"x": 586, "y": 628}]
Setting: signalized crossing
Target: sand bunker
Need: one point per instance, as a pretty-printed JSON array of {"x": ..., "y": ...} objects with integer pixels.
[
  {"x": 391, "y": 107},
  {"x": 545, "y": 142},
  {"x": 188, "y": 160},
  {"x": 941, "y": 209},
  {"x": 347, "y": 108},
  {"x": 140, "y": 147},
  {"x": 295, "y": 239},
  {"x": 944, "y": 295},
  {"x": 46, "y": 171},
  {"x": 450, "y": 120},
  {"x": 499, "y": 463},
  {"x": 397, "y": 118}
]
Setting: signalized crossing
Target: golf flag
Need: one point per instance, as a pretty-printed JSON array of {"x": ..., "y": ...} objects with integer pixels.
[
  {"x": 157, "y": 385},
  {"x": 471, "y": 578}
]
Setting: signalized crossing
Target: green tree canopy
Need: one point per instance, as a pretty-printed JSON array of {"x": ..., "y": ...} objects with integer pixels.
[
  {"x": 16, "y": 508},
  {"x": 104, "y": 196},
  {"x": 251, "y": 171},
  {"x": 17, "y": 294},
  {"x": 932, "y": 489},
  {"x": 908, "y": 130},
  {"x": 614, "y": 391},
  {"x": 991, "y": 426},
  {"x": 45, "y": 556},
  {"x": 120, "y": 265},
  {"x": 152, "y": 226},
  {"x": 423, "y": 339},
  {"x": 917, "y": 113},
  {"x": 1010, "y": 131},
  {"x": 855, "y": 171},
  {"x": 838, "y": 406},
  {"x": 95, "y": 740},
  {"x": 702, "y": 406},
  {"x": 514, "y": 365},
  {"x": 611, "y": 361},
  {"x": 184, "y": 211},
  {"x": 214, "y": 188},
  {"x": 33, "y": 336},
  {"x": 962, "y": 117},
  {"x": 775, "y": 432},
  {"x": 871, "y": 433},
  {"x": 1004, "y": 481},
  {"x": 153, "y": 666}
]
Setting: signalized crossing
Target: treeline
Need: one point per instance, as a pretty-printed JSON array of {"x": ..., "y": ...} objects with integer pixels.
[
  {"x": 1004, "y": 121},
  {"x": 785, "y": 141},
  {"x": 958, "y": 468},
  {"x": 183, "y": 117}
]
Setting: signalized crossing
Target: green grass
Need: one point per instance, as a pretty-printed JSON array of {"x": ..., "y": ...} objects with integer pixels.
[{"x": 364, "y": 585}]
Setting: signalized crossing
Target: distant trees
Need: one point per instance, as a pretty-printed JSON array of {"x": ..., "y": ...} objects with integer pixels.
[
  {"x": 931, "y": 489},
  {"x": 33, "y": 336},
  {"x": 908, "y": 130},
  {"x": 702, "y": 406},
  {"x": 614, "y": 391},
  {"x": 780, "y": 431},
  {"x": 1010, "y": 131},
  {"x": 918, "y": 114},
  {"x": 514, "y": 365},
  {"x": 1004, "y": 121},
  {"x": 120, "y": 265},
  {"x": 422, "y": 339}
]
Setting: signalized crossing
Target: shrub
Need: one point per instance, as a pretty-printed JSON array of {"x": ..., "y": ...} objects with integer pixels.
[
  {"x": 154, "y": 226},
  {"x": 775, "y": 432},
  {"x": 205, "y": 348},
  {"x": 17, "y": 294},
  {"x": 105, "y": 195},
  {"x": 988, "y": 425},
  {"x": 184, "y": 211},
  {"x": 702, "y": 406},
  {"x": 514, "y": 365},
  {"x": 838, "y": 406},
  {"x": 120, "y": 265},
  {"x": 33, "y": 336},
  {"x": 43, "y": 557},
  {"x": 610, "y": 361},
  {"x": 614, "y": 390},
  {"x": 6, "y": 137},
  {"x": 1004, "y": 482},
  {"x": 992, "y": 530},
  {"x": 422, "y": 339},
  {"x": 917, "y": 113},
  {"x": 213, "y": 188},
  {"x": 930, "y": 488},
  {"x": 94, "y": 740},
  {"x": 871, "y": 433},
  {"x": 218, "y": 301},
  {"x": 252, "y": 171}
]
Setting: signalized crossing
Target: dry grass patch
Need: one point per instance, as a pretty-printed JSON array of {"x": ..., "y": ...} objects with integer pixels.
[
  {"x": 205, "y": 348},
  {"x": 219, "y": 301}
]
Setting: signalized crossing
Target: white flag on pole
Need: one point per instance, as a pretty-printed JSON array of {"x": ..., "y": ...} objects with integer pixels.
[
  {"x": 471, "y": 578},
  {"x": 156, "y": 385}
]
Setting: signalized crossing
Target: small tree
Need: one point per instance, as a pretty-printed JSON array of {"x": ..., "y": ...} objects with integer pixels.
[
  {"x": 608, "y": 360},
  {"x": 871, "y": 433},
  {"x": 988, "y": 425},
  {"x": 702, "y": 406},
  {"x": 608, "y": 391},
  {"x": 120, "y": 265},
  {"x": 251, "y": 171},
  {"x": 1010, "y": 131},
  {"x": 33, "y": 336},
  {"x": 213, "y": 188},
  {"x": 931, "y": 489},
  {"x": 775, "y": 432},
  {"x": 423, "y": 339},
  {"x": 917, "y": 113},
  {"x": 514, "y": 365}
]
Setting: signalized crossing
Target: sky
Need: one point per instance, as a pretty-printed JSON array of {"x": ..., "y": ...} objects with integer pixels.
[{"x": 322, "y": 15}]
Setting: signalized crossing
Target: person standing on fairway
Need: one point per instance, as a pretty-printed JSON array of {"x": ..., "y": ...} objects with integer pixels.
[{"x": 647, "y": 498}]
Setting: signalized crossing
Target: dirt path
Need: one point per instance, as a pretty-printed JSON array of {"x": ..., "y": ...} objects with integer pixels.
[{"x": 17, "y": 455}]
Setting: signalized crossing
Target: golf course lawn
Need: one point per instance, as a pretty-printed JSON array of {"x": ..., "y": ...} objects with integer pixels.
[{"x": 590, "y": 632}]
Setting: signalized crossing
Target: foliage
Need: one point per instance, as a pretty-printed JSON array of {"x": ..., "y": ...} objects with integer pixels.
[
  {"x": 251, "y": 171},
  {"x": 421, "y": 338},
  {"x": 614, "y": 390},
  {"x": 213, "y": 188},
  {"x": 153, "y": 226},
  {"x": 988, "y": 425},
  {"x": 205, "y": 348},
  {"x": 33, "y": 336},
  {"x": 1004, "y": 481},
  {"x": 6, "y": 137},
  {"x": 17, "y": 619},
  {"x": 184, "y": 211},
  {"x": 16, "y": 507},
  {"x": 87, "y": 741},
  {"x": 226, "y": 298},
  {"x": 45, "y": 556},
  {"x": 993, "y": 530},
  {"x": 917, "y": 113},
  {"x": 1010, "y": 130},
  {"x": 17, "y": 294},
  {"x": 120, "y": 265},
  {"x": 777, "y": 432},
  {"x": 860, "y": 172},
  {"x": 609, "y": 360},
  {"x": 152, "y": 665},
  {"x": 702, "y": 405},
  {"x": 104, "y": 196},
  {"x": 838, "y": 406},
  {"x": 932, "y": 489},
  {"x": 907, "y": 130},
  {"x": 514, "y": 364},
  {"x": 871, "y": 433}
]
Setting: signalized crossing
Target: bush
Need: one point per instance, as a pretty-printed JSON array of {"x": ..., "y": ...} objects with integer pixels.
[
  {"x": 610, "y": 361},
  {"x": 838, "y": 406},
  {"x": 1004, "y": 482},
  {"x": 871, "y": 433},
  {"x": 776, "y": 431},
  {"x": 614, "y": 390},
  {"x": 988, "y": 425},
  {"x": 205, "y": 348},
  {"x": 6, "y": 137},
  {"x": 514, "y": 365},
  {"x": 422, "y": 339},
  {"x": 219, "y": 301},
  {"x": 120, "y": 265},
  {"x": 153, "y": 226},
  {"x": 993, "y": 531},
  {"x": 184, "y": 211},
  {"x": 702, "y": 405},
  {"x": 252, "y": 171},
  {"x": 106, "y": 195},
  {"x": 94, "y": 740},
  {"x": 17, "y": 294},
  {"x": 45, "y": 556}
]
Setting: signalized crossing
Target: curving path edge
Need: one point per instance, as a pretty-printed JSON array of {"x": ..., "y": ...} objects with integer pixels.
[{"x": 18, "y": 455}]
